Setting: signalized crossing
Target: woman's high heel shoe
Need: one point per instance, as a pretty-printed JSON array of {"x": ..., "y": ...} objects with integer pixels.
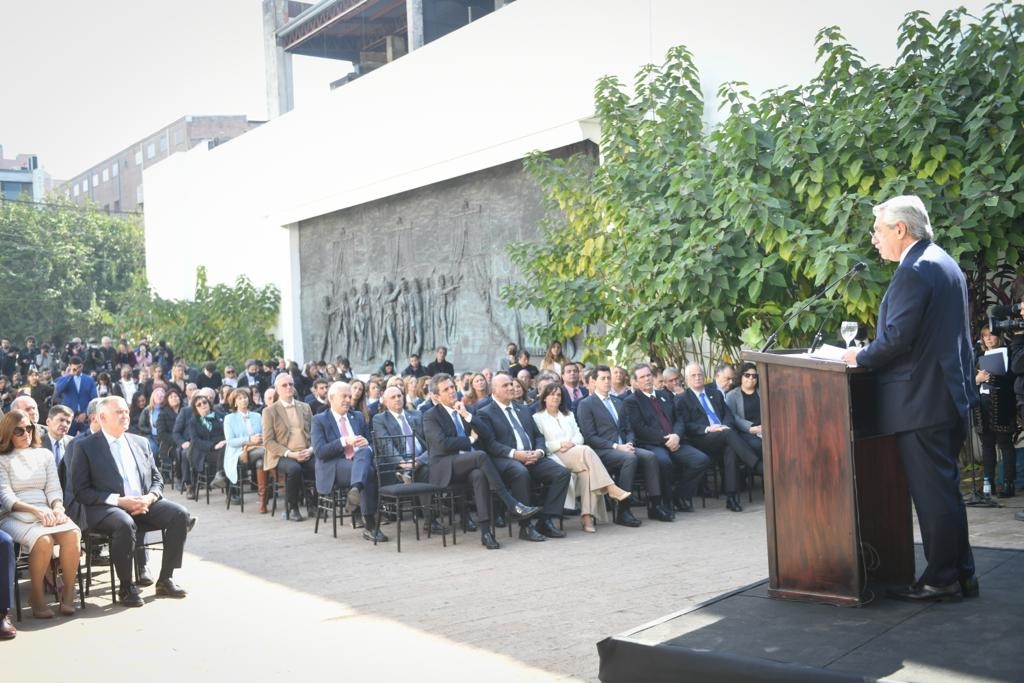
[
  {"x": 588, "y": 524},
  {"x": 616, "y": 493}
]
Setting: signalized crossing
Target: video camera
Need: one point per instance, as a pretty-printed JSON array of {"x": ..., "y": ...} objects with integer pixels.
[{"x": 1005, "y": 319}]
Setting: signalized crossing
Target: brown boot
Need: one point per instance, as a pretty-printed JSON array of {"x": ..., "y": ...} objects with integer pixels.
[{"x": 261, "y": 485}]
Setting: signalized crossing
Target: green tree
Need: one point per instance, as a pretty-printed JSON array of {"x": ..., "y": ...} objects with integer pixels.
[
  {"x": 223, "y": 323},
  {"x": 686, "y": 243},
  {"x": 61, "y": 261}
]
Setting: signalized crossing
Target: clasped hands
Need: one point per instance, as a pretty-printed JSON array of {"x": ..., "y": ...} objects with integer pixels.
[
  {"x": 528, "y": 457},
  {"x": 51, "y": 516},
  {"x": 355, "y": 440},
  {"x": 136, "y": 505}
]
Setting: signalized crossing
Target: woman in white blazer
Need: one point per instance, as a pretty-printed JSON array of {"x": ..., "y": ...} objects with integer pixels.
[{"x": 565, "y": 444}]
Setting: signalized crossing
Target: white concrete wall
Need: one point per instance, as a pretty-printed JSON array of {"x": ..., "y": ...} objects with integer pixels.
[{"x": 517, "y": 80}]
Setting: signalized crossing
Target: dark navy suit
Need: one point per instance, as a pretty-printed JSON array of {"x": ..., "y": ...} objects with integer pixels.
[
  {"x": 728, "y": 443},
  {"x": 331, "y": 465},
  {"x": 650, "y": 435},
  {"x": 925, "y": 375}
]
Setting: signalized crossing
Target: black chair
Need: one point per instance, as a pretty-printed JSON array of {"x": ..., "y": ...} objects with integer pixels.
[
  {"x": 398, "y": 492},
  {"x": 93, "y": 539},
  {"x": 244, "y": 478},
  {"x": 275, "y": 481}
]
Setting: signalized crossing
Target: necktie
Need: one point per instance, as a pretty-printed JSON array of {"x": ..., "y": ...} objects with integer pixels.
[
  {"x": 411, "y": 446},
  {"x": 57, "y": 454},
  {"x": 343, "y": 426},
  {"x": 458, "y": 424},
  {"x": 712, "y": 418},
  {"x": 517, "y": 425},
  {"x": 611, "y": 409},
  {"x": 115, "y": 447},
  {"x": 666, "y": 426}
]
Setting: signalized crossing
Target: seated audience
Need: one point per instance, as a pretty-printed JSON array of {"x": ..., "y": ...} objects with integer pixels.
[
  {"x": 317, "y": 399},
  {"x": 523, "y": 363},
  {"x": 243, "y": 436},
  {"x": 344, "y": 457},
  {"x": 725, "y": 378},
  {"x": 286, "y": 437},
  {"x": 206, "y": 438},
  {"x": 621, "y": 384},
  {"x": 564, "y": 444},
  {"x": 745, "y": 403},
  {"x": 32, "y": 510},
  {"x": 710, "y": 426},
  {"x": 115, "y": 478},
  {"x": 440, "y": 363},
  {"x": 414, "y": 368},
  {"x": 572, "y": 381}
]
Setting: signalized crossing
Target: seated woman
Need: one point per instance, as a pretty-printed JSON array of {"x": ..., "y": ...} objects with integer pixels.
[
  {"x": 167, "y": 446},
  {"x": 150, "y": 416},
  {"x": 565, "y": 444},
  {"x": 479, "y": 390},
  {"x": 32, "y": 510},
  {"x": 745, "y": 403},
  {"x": 137, "y": 404},
  {"x": 206, "y": 436},
  {"x": 243, "y": 432}
]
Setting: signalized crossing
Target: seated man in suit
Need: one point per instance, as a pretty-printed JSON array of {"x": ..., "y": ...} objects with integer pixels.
[
  {"x": 711, "y": 427},
  {"x": 405, "y": 440},
  {"x": 725, "y": 378},
  {"x": 604, "y": 424},
  {"x": 57, "y": 441},
  {"x": 286, "y": 427},
  {"x": 341, "y": 444},
  {"x": 658, "y": 429},
  {"x": 28, "y": 405},
  {"x": 517, "y": 449},
  {"x": 452, "y": 433},
  {"x": 572, "y": 384},
  {"x": 116, "y": 480}
]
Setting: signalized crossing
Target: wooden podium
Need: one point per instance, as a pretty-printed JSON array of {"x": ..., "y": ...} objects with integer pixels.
[{"x": 836, "y": 500}]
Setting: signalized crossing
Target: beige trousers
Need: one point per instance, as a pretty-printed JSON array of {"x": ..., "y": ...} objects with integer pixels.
[{"x": 590, "y": 476}]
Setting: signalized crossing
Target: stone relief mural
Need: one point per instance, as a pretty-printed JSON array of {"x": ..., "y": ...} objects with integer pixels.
[{"x": 408, "y": 273}]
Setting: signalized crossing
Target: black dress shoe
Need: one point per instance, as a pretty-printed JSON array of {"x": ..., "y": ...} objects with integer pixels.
[
  {"x": 969, "y": 587},
  {"x": 166, "y": 588},
  {"x": 437, "y": 528},
  {"x": 684, "y": 505},
  {"x": 549, "y": 530},
  {"x": 626, "y": 518},
  {"x": 522, "y": 511},
  {"x": 499, "y": 521},
  {"x": 145, "y": 578},
  {"x": 658, "y": 513},
  {"x": 488, "y": 540},
  {"x": 129, "y": 596},
  {"x": 732, "y": 502},
  {"x": 925, "y": 593},
  {"x": 528, "y": 533},
  {"x": 191, "y": 524},
  {"x": 7, "y": 630},
  {"x": 471, "y": 525},
  {"x": 294, "y": 516},
  {"x": 376, "y": 535}
]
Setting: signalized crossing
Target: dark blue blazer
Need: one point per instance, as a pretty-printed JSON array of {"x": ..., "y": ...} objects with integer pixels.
[
  {"x": 922, "y": 349},
  {"x": 328, "y": 450},
  {"x": 695, "y": 420},
  {"x": 597, "y": 426},
  {"x": 64, "y": 392},
  {"x": 502, "y": 437}
]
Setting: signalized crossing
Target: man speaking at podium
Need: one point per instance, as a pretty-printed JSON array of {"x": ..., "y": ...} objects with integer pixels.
[{"x": 923, "y": 360}]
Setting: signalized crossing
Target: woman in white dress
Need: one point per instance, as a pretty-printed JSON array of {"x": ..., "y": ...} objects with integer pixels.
[
  {"x": 32, "y": 510},
  {"x": 565, "y": 444}
]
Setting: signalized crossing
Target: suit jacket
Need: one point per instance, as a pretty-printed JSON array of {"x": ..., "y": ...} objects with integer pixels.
[
  {"x": 503, "y": 437},
  {"x": 65, "y": 444},
  {"x": 275, "y": 431},
  {"x": 327, "y": 447},
  {"x": 66, "y": 394},
  {"x": 315, "y": 406},
  {"x": 443, "y": 441},
  {"x": 94, "y": 474},
  {"x": 645, "y": 421},
  {"x": 385, "y": 425},
  {"x": 695, "y": 420},
  {"x": 258, "y": 388},
  {"x": 572, "y": 404},
  {"x": 922, "y": 351},
  {"x": 597, "y": 426}
]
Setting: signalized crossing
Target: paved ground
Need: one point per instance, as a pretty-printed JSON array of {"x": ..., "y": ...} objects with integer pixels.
[{"x": 268, "y": 598}]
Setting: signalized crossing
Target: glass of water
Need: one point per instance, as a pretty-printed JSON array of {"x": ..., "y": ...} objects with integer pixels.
[{"x": 848, "y": 330}]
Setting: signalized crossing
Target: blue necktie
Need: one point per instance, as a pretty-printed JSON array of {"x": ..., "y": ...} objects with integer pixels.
[
  {"x": 611, "y": 409},
  {"x": 712, "y": 418},
  {"x": 458, "y": 424},
  {"x": 518, "y": 426},
  {"x": 412, "y": 445}
]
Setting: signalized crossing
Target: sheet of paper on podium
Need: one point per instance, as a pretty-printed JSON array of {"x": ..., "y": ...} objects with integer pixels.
[{"x": 828, "y": 352}]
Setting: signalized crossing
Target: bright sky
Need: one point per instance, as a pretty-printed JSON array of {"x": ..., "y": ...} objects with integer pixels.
[{"x": 84, "y": 79}]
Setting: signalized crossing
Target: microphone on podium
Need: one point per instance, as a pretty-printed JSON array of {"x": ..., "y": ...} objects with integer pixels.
[{"x": 858, "y": 268}]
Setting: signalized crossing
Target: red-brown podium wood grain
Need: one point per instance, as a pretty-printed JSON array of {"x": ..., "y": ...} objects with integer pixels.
[{"x": 836, "y": 501}]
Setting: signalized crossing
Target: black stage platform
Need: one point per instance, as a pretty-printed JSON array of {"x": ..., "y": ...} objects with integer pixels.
[{"x": 747, "y": 636}]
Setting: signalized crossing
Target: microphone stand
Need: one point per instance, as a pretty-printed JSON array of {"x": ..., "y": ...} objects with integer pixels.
[
  {"x": 775, "y": 335},
  {"x": 835, "y": 302}
]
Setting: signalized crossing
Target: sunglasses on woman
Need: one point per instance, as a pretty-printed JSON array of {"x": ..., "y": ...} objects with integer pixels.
[{"x": 21, "y": 431}]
